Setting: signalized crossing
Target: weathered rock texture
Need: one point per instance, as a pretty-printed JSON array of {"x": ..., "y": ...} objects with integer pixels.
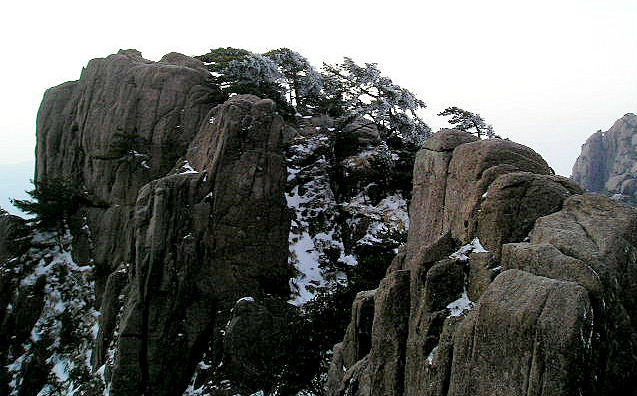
[
  {"x": 186, "y": 201},
  {"x": 506, "y": 287},
  {"x": 608, "y": 162},
  {"x": 185, "y": 214},
  {"x": 203, "y": 241},
  {"x": 593, "y": 241},
  {"x": 161, "y": 104},
  {"x": 173, "y": 276}
]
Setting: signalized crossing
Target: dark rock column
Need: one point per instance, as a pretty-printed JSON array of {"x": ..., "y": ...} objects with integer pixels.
[{"x": 205, "y": 239}]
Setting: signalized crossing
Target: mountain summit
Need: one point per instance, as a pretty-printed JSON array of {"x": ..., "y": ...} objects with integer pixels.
[{"x": 237, "y": 224}]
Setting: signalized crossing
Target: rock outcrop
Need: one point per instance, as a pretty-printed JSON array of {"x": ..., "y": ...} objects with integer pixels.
[
  {"x": 125, "y": 122},
  {"x": 207, "y": 221},
  {"x": 506, "y": 287},
  {"x": 184, "y": 214},
  {"x": 204, "y": 239},
  {"x": 608, "y": 162},
  {"x": 199, "y": 213}
]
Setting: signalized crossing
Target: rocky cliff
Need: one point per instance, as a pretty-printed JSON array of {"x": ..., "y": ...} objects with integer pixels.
[
  {"x": 189, "y": 218},
  {"x": 205, "y": 224},
  {"x": 216, "y": 243},
  {"x": 512, "y": 282},
  {"x": 608, "y": 162}
]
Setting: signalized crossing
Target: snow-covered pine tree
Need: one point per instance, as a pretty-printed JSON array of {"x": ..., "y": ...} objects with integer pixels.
[
  {"x": 366, "y": 93},
  {"x": 301, "y": 80},
  {"x": 238, "y": 71}
]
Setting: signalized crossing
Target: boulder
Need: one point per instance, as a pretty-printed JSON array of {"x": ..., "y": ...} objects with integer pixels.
[
  {"x": 514, "y": 201},
  {"x": 257, "y": 340},
  {"x": 450, "y": 183},
  {"x": 519, "y": 284},
  {"x": 528, "y": 336},
  {"x": 383, "y": 368},
  {"x": 593, "y": 241}
]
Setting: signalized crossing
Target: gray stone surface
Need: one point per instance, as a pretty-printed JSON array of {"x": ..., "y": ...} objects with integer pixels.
[
  {"x": 528, "y": 336},
  {"x": 204, "y": 240},
  {"x": 608, "y": 161},
  {"x": 546, "y": 310}
]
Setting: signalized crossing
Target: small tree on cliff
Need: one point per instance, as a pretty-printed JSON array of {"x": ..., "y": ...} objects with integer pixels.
[
  {"x": 468, "y": 121},
  {"x": 128, "y": 143},
  {"x": 363, "y": 92},
  {"x": 128, "y": 146},
  {"x": 52, "y": 202}
]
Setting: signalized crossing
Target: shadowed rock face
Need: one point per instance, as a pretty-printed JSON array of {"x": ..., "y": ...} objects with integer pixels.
[
  {"x": 608, "y": 162},
  {"x": 203, "y": 241},
  {"x": 489, "y": 314},
  {"x": 159, "y": 105},
  {"x": 185, "y": 215}
]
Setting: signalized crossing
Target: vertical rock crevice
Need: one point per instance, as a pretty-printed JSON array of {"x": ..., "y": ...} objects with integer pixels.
[{"x": 520, "y": 315}]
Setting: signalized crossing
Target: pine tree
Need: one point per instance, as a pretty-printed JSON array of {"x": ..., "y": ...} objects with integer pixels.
[
  {"x": 238, "y": 71},
  {"x": 468, "y": 121},
  {"x": 301, "y": 80},
  {"x": 364, "y": 92},
  {"x": 52, "y": 202},
  {"x": 128, "y": 143}
]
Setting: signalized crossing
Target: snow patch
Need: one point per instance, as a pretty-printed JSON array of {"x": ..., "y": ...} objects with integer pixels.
[
  {"x": 186, "y": 168},
  {"x": 432, "y": 355},
  {"x": 462, "y": 254},
  {"x": 245, "y": 299},
  {"x": 461, "y": 305}
]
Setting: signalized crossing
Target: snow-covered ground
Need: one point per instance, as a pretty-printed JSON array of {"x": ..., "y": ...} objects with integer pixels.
[
  {"x": 324, "y": 229},
  {"x": 66, "y": 327}
]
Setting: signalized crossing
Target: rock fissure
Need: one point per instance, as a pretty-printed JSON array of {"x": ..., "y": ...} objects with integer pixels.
[{"x": 183, "y": 254}]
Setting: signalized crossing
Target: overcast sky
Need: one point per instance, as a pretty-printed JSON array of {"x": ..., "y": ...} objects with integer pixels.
[{"x": 545, "y": 73}]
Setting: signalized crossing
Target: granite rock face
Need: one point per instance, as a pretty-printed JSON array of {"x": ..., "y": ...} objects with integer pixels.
[
  {"x": 608, "y": 162},
  {"x": 125, "y": 122},
  {"x": 204, "y": 239},
  {"x": 524, "y": 338},
  {"x": 186, "y": 200},
  {"x": 175, "y": 276},
  {"x": 185, "y": 214},
  {"x": 592, "y": 241},
  {"x": 506, "y": 279}
]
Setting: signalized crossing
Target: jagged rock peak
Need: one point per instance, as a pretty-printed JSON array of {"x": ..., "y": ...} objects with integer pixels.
[
  {"x": 608, "y": 162},
  {"x": 512, "y": 283},
  {"x": 182, "y": 215}
]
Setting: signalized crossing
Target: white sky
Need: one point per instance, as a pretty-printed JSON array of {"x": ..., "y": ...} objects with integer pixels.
[{"x": 544, "y": 73}]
